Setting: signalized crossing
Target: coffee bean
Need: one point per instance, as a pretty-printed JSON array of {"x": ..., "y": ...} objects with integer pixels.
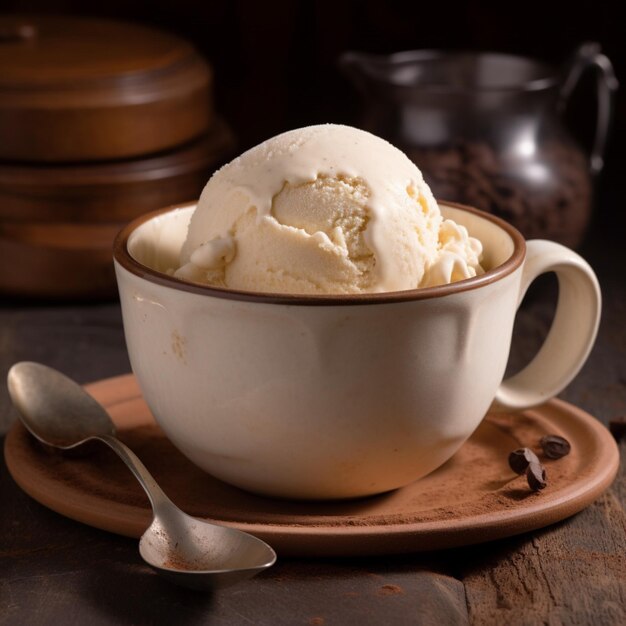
[
  {"x": 555, "y": 447},
  {"x": 519, "y": 459},
  {"x": 618, "y": 428},
  {"x": 536, "y": 476}
]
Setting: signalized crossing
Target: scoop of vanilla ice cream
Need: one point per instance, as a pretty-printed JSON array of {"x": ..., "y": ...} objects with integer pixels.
[{"x": 324, "y": 209}]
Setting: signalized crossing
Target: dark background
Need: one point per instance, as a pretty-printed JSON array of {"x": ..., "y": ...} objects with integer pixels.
[
  {"x": 276, "y": 62},
  {"x": 276, "y": 69}
]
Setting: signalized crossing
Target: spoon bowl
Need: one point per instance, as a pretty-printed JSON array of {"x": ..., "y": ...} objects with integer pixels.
[
  {"x": 186, "y": 550},
  {"x": 55, "y": 409}
]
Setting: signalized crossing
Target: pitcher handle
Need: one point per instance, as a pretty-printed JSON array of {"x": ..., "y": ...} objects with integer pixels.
[
  {"x": 364, "y": 69},
  {"x": 587, "y": 56}
]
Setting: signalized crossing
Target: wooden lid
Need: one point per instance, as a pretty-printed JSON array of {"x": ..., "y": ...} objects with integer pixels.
[{"x": 74, "y": 89}]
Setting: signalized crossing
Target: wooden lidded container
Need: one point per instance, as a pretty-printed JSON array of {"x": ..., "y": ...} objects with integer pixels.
[{"x": 100, "y": 121}]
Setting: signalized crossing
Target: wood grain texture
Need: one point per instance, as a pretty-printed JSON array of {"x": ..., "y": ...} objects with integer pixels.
[{"x": 571, "y": 573}]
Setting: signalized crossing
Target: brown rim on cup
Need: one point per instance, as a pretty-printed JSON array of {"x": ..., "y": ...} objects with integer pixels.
[{"x": 124, "y": 258}]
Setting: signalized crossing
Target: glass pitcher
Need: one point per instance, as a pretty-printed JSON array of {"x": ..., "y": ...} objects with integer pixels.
[{"x": 485, "y": 129}]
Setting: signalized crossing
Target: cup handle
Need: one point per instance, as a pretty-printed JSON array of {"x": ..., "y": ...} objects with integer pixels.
[
  {"x": 573, "y": 330},
  {"x": 589, "y": 55}
]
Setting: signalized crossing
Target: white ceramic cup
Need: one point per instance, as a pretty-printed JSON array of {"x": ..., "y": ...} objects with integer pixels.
[{"x": 341, "y": 396}]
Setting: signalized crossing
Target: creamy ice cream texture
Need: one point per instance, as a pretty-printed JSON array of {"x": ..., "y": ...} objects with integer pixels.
[{"x": 324, "y": 209}]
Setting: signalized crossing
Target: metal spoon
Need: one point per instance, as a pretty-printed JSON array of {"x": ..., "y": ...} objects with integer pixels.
[{"x": 188, "y": 551}]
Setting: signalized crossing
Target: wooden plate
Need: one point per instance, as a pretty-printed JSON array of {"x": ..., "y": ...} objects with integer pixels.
[{"x": 473, "y": 498}]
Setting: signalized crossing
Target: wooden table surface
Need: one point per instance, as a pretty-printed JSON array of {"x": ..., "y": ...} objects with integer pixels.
[{"x": 57, "y": 571}]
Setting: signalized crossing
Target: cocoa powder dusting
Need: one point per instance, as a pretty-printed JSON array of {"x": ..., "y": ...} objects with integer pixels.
[
  {"x": 173, "y": 561},
  {"x": 390, "y": 590}
]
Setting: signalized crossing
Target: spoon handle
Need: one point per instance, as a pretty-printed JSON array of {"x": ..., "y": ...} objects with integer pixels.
[{"x": 157, "y": 497}]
